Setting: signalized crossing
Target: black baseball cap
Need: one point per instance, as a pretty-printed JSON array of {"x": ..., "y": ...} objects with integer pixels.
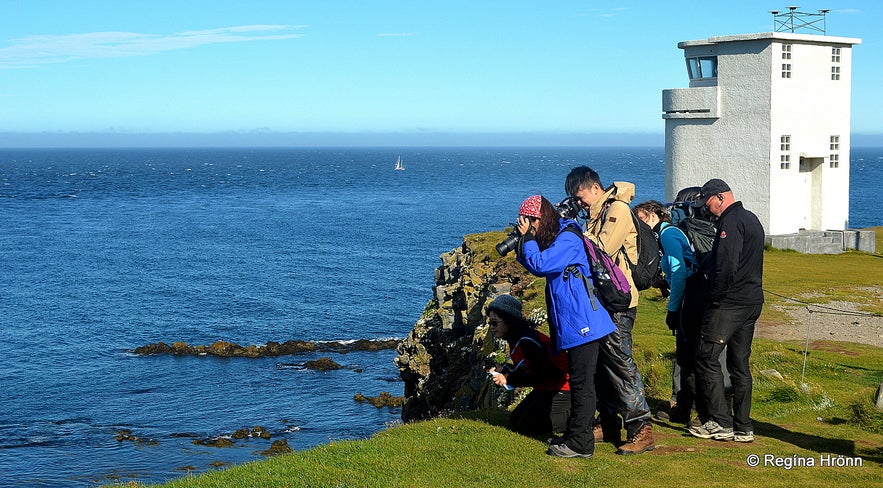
[{"x": 711, "y": 188}]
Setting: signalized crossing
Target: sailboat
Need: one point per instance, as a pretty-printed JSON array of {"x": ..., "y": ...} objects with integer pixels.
[{"x": 399, "y": 165}]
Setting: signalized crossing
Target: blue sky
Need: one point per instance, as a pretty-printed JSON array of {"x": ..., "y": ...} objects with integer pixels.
[{"x": 376, "y": 66}]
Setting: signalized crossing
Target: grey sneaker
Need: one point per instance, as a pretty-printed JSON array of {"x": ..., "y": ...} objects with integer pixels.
[
  {"x": 561, "y": 450},
  {"x": 712, "y": 430},
  {"x": 740, "y": 436}
]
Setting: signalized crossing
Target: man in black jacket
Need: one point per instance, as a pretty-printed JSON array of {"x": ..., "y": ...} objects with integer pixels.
[{"x": 735, "y": 303}]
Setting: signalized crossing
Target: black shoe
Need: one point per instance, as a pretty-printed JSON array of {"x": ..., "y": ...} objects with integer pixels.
[
  {"x": 555, "y": 440},
  {"x": 675, "y": 415}
]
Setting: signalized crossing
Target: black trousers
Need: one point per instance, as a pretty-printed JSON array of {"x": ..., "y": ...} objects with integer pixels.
[
  {"x": 687, "y": 346},
  {"x": 732, "y": 327},
  {"x": 582, "y": 361},
  {"x": 542, "y": 413},
  {"x": 621, "y": 389}
]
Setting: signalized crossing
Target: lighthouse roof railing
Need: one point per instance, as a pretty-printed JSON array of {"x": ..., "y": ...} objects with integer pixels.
[{"x": 784, "y": 36}]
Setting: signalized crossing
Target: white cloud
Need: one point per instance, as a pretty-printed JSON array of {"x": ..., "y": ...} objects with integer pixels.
[{"x": 46, "y": 49}]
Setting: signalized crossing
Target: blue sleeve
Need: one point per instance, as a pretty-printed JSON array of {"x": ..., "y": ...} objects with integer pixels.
[
  {"x": 674, "y": 265},
  {"x": 565, "y": 250}
]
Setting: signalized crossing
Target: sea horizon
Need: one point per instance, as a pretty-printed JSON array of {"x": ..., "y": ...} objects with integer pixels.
[
  {"x": 244, "y": 139},
  {"x": 107, "y": 250}
]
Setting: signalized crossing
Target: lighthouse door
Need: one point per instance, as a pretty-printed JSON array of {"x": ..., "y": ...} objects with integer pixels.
[{"x": 811, "y": 192}]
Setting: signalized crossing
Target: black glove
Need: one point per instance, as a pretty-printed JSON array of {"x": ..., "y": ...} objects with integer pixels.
[
  {"x": 673, "y": 320},
  {"x": 519, "y": 249}
]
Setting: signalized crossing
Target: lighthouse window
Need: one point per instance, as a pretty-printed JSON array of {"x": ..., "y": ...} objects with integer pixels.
[
  {"x": 835, "y": 54},
  {"x": 835, "y": 72},
  {"x": 702, "y": 68},
  {"x": 835, "y": 143},
  {"x": 785, "y": 161},
  {"x": 785, "y": 143},
  {"x": 834, "y": 161},
  {"x": 786, "y": 70},
  {"x": 786, "y": 51}
]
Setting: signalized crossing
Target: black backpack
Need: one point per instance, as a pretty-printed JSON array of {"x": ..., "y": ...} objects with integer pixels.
[
  {"x": 696, "y": 223},
  {"x": 647, "y": 272}
]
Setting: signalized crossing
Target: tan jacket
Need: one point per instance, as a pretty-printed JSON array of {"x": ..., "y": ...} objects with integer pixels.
[{"x": 617, "y": 232}]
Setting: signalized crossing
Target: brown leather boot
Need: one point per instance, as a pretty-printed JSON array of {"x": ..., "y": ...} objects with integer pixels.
[
  {"x": 642, "y": 441},
  {"x": 609, "y": 434}
]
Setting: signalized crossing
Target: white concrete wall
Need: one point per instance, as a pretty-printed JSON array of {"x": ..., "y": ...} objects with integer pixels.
[
  {"x": 740, "y": 142},
  {"x": 811, "y": 107},
  {"x": 735, "y": 147}
]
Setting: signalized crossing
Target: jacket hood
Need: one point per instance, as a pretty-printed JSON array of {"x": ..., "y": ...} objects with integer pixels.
[
  {"x": 622, "y": 191},
  {"x": 619, "y": 190},
  {"x": 562, "y": 222}
]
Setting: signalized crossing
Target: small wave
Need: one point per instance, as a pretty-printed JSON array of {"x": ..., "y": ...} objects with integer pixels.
[
  {"x": 33, "y": 441},
  {"x": 353, "y": 341},
  {"x": 291, "y": 366}
]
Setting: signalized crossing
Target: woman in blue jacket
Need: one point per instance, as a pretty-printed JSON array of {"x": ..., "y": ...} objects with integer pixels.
[{"x": 576, "y": 323}]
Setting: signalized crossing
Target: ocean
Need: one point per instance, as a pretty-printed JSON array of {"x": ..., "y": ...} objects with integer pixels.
[{"x": 102, "y": 251}]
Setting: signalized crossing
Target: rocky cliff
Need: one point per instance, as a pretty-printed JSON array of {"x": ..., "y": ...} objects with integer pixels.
[{"x": 443, "y": 361}]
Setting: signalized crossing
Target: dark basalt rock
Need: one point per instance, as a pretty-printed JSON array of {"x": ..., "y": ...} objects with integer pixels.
[
  {"x": 126, "y": 435},
  {"x": 256, "y": 431},
  {"x": 385, "y": 399},
  {"x": 443, "y": 360},
  {"x": 214, "y": 442},
  {"x": 277, "y": 447},
  {"x": 322, "y": 364},
  {"x": 271, "y": 349}
]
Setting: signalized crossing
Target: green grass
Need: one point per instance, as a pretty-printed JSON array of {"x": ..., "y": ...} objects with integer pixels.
[{"x": 826, "y": 409}]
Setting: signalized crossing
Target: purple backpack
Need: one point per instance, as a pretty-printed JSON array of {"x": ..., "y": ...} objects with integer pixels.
[{"x": 609, "y": 283}]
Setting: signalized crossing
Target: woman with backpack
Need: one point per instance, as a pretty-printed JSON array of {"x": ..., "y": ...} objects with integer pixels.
[
  {"x": 546, "y": 248},
  {"x": 686, "y": 303}
]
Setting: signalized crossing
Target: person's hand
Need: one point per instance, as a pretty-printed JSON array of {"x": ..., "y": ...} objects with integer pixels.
[
  {"x": 499, "y": 379},
  {"x": 673, "y": 320},
  {"x": 523, "y": 225}
]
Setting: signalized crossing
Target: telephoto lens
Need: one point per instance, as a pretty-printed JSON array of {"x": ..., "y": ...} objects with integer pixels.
[{"x": 508, "y": 244}]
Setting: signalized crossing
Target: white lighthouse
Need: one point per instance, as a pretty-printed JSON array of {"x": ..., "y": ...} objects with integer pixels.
[{"x": 769, "y": 114}]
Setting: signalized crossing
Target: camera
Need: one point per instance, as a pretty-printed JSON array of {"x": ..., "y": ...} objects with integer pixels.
[
  {"x": 569, "y": 208},
  {"x": 509, "y": 243}
]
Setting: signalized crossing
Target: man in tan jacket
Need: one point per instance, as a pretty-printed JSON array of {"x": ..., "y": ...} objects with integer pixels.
[{"x": 620, "y": 387}]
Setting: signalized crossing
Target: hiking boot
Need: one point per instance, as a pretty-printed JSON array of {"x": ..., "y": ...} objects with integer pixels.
[
  {"x": 675, "y": 415},
  {"x": 662, "y": 415},
  {"x": 561, "y": 450},
  {"x": 642, "y": 441},
  {"x": 712, "y": 430},
  {"x": 741, "y": 436},
  {"x": 609, "y": 434}
]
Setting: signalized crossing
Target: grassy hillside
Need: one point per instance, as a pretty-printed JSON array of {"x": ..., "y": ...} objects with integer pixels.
[{"x": 820, "y": 412}]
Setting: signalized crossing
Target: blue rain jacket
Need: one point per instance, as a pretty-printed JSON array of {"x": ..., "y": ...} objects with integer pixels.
[
  {"x": 678, "y": 262},
  {"x": 573, "y": 318}
]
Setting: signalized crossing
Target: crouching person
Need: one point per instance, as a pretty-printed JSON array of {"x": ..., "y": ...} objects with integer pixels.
[{"x": 545, "y": 410}]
